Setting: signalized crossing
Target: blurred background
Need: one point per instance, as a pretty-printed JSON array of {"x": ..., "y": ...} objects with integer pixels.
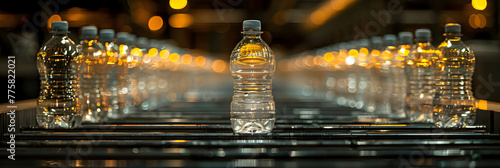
[{"x": 212, "y": 27}]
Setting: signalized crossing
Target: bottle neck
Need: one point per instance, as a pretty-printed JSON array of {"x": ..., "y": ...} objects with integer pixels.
[
  {"x": 252, "y": 34},
  {"x": 452, "y": 36},
  {"x": 59, "y": 35}
]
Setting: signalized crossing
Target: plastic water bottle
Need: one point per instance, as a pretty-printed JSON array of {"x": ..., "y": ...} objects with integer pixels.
[
  {"x": 420, "y": 75},
  {"x": 375, "y": 89},
  {"x": 453, "y": 101},
  {"x": 125, "y": 95},
  {"x": 58, "y": 63},
  {"x": 94, "y": 71},
  {"x": 113, "y": 83},
  {"x": 398, "y": 71},
  {"x": 386, "y": 77},
  {"x": 252, "y": 66}
]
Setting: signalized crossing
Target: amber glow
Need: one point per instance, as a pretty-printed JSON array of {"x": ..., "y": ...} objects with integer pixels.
[
  {"x": 219, "y": 66},
  {"x": 375, "y": 53},
  {"x": 186, "y": 59},
  {"x": 178, "y": 4},
  {"x": 153, "y": 52},
  {"x": 328, "y": 57},
  {"x": 155, "y": 23},
  {"x": 199, "y": 61},
  {"x": 136, "y": 52},
  {"x": 479, "y": 4},
  {"x": 164, "y": 53},
  {"x": 327, "y": 10},
  {"x": 364, "y": 51},
  {"x": 174, "y": 57},
  {"x": 477, "y": 21},
  {"x": 353, "y": 53},
  {"x": 309, "y": 61},
  {"x": 53, "y": 18},
  {"x": 180, "y": 20}
]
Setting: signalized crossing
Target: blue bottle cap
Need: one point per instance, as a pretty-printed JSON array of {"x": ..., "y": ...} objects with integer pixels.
[
  {"x": 142, "y": 42},
  {"x": 122, "y": 37},
  {"x": 253, "y": 25},
  {"x": 364, "y": 43},
  {"x": 59, "y": 27},
  {"x": 89, "y": 32},
  {"x": 423, "y": 35},
  {"x": 377, "y": 42},
  {"x": 390, "y": 40},
  {"x": 107, "y": 35},
  {"x": 452, "y": 28},
  {"x": 405, "y": 38}
]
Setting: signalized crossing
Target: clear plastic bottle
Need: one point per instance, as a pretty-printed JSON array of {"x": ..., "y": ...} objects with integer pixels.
[
  {"x": 386, "y": 77},
  {"x": 361, "y": 68},
  {"x": 398, "y": 71},
  {"x": 114, "y": 64},
  {"x": 375, "y": 89},
  {"x": 252, "y": 66},
  {"x": 420, "y": 75},
  {"x": 58, "y": 62},
  {"x": 125, "y": 95},
  {"x": 94, "y": 103},
  {"x": 453, "y": 104}
]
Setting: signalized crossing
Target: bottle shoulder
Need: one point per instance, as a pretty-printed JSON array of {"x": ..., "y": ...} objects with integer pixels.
[
  {"x": 60, "y": 44},
  {"x": 253, "y": 47}
]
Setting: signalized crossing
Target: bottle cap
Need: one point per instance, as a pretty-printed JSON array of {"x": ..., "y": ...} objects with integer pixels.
[
  {"x": 122, "y": 37},
  {"x": 59, "y": 27},
  {"x": 423, "y": 35},
  {"x": 154, "y": 43},
  {"x": 452, "y": 28},
  {"x": 353, "y": 44},
  {"x": 142, "y": 42},
  {"x": 405, "y": 38},
  {"x": 132, "y": 38},
  {"x": 390, "y": 40},
  {"x": 253, "y": 25},
  {"x": 107, "y": 35},
  {"x": 89, "y": 32},
  {"x": 364, "y": 43},
  {"x": 377, "y": 42}
]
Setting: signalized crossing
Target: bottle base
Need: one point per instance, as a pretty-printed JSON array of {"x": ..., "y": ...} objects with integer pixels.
[{"x": 252, "y": 126}]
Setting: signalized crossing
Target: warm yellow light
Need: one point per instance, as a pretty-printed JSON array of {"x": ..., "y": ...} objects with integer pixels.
[
  {"x": 199, "y": 61},
  {"x": 328, "y": 57},
  {"x": 477, "y": 21},
  {"x": 155, "y": 23},
  {"x": 364, "y": 51},
  {"x": 479, "y": 4},
  {"x": 186, "y": 59},
  {"x": 180, "y": 20},
  {"x": 153, "y": 52},
  {"x": 482, "y": 21},
  {"x": 309, "y": 61},
  {"x": 52, "y": 18},
  {"x": 175, "y": 57},
  {"x": 178, "y": 4},
  {"x": 136, "y": 52},
  {"x": 353, "y": 53},
  {"x": 164, "y": 53},
  {"x": 375, "y": 53},
  {"x": 219, "y": 66}
]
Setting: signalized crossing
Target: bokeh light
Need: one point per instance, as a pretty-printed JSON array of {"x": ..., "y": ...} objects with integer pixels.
[
  {"x": 479, "y": 4},
  {"x": 180, "y": 20},
  {"x": 53, "y": 18},
  {"x": 155, "y": 23},
  {"x": 178, "y": 4}
]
